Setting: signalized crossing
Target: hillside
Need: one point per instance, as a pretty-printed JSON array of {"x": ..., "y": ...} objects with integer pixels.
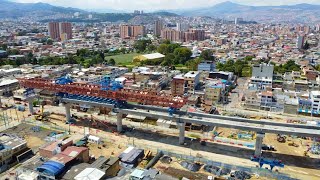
[
  {"x": 288, "y": 13},
  {"x": 10, "y": 9}
]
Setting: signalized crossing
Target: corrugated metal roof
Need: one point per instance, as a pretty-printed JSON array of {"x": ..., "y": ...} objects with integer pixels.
[
  {"x": 51, "y": 168},
  {"x": 90, "y": 174}
]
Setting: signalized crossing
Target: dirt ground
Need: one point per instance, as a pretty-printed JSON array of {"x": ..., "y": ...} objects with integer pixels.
[
  {"x": 116, "y": 143},
  {"x": 176, "y": 170},
  {"x": 34, "y": 139},
  {"x": 110, "y": 149}
]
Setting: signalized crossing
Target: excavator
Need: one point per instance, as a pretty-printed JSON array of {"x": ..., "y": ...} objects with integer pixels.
[{"x": 42, "y": 116}]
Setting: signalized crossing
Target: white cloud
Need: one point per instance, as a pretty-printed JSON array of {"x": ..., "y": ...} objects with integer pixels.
[{"x": 150, "y": 5}]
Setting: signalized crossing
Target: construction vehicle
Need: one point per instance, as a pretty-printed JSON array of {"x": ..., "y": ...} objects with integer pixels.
[
  {"x": 147, "y": 155},
  {"x": 268, "y": 147},
  {"x": 42, "y": 116},
  {"x": 293, "y": 144},
  {"x": 281, "y": 138},
  {"x": 271, "y": 162}
]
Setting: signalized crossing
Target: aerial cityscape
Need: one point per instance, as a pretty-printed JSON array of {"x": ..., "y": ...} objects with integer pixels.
[{"x": 164, "y": 90}]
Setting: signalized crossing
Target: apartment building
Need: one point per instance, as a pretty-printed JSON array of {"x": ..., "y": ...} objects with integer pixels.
[
  {"x": 132, "y": 31},
  {"x": 192, "y": 80},
  {"x": 213, "y": 93},
  {"x": 172, "y": 35},
  {"x": 60, "y": 31},
  {"x": 65, "y": 30},
  {"x": 262, "y": 75},
  {"x": 315, "y": 99},
  {"x": 177, "y": 85},
  {"x": 54, "y": 31},
  {"x": 158, "y": 26}
]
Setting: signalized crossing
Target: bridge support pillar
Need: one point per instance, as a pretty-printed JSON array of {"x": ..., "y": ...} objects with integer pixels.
[
  {"x": 119, "y": 122},
  {"x": 182, "y": 128},
  {"x": 30, "y": 104},
  {"x": 68, "y": 112},
  {"x": 258, "y": 146}
]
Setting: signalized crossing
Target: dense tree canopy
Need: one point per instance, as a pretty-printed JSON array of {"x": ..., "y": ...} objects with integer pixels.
[
  {"x": 207, "y": 55},
  {"x": 141, "y": 45},
  {"x": 239, "y": 67},
  {"x": 287, "y": 67}
]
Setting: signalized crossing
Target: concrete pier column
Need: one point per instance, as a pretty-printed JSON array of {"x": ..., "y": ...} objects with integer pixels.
[
  {"x": 119, "y": 122},
  {"x": 30, "y": 104},
  {"x": 258, "y": 146},
  {"x": 68, "y": 112},
  {"x": 182, "y": 128}
]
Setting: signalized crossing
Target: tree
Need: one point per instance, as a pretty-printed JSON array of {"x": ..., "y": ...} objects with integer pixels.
[
  {"x": 13, "y": 52},
  {"x": 141, "y": 45},
  {"x": 172, "y": 47},
  {"x": 306, "y": 45},
  {"x": 101, "y": 54},
  {"x": 22, "y": 33},
  {"x": 168, "y": 60},
  {"x": 49, "y": 41},
  {"x": 112, "y": 62},
  {"x": 151, "y": 48},
  {"x": 193, "y": 64},
  {"x": 207, "y": 55},
  {"x": 71, "y": 60},
  {"x": 166, "y": 41},
  {"x": 183, "y": 54},
  {"x": 34, "y": 61},
  {"x": 4, "y": 47},
  {"x": 162, "y": 49}
]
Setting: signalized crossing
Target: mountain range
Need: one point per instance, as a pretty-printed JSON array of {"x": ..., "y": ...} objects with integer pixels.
[
  {"x": 286, "y": 13},
  {"x": 299, "y": 12},
  {"x": 10, "y": 9}
]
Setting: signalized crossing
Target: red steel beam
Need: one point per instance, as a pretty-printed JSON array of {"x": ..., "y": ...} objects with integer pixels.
[{"x": 145, "y": 97}]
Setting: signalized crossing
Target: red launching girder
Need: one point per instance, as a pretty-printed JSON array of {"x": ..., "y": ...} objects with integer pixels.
[{"x": 144, "y": 97}]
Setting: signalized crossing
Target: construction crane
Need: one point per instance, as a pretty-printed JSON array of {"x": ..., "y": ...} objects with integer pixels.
[{"x": 106, "y": 91}]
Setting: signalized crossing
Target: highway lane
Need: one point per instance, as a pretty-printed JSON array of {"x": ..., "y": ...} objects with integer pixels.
[
  {"x": 212, "y": 120},
  {"x": 259, "y": 128}
]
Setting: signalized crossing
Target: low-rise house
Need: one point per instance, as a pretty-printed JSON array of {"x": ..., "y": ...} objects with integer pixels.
[
  {"x": 208, "y": 66},
  {"x": 12, "y": 150},
  {"x": 8, "y": 86}
]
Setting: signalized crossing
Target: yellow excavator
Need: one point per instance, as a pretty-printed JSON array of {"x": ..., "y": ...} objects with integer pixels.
[{"x": 42, "y": 116}]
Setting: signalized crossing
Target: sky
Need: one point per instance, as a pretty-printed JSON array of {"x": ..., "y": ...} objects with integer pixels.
[{"x": 150, "y": 5}]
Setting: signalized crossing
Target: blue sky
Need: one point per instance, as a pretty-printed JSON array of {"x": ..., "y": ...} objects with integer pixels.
[{"x": 150, "y": 5}]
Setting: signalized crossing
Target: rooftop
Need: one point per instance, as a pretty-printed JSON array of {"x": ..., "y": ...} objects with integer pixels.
[
  {"x": 90, "y": 174},
  {"x": 8, "y": 82},
  {"x": 153, "y": 56},
  {"x": 191, "y": 74}
]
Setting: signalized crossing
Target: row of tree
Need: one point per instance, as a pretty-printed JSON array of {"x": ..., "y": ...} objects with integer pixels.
[
  {"x": 287, "y": 67},
  {"x": 240, "y": 67}
]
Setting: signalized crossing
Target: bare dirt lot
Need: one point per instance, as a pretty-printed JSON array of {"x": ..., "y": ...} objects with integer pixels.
[{"x": 34, "y": 139}]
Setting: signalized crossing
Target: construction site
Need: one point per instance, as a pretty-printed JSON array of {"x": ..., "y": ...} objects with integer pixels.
[{"x": 165, "y": 135}]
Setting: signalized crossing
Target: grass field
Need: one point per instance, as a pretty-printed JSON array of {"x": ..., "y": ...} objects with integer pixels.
[{"x": 123, "y": 59}]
